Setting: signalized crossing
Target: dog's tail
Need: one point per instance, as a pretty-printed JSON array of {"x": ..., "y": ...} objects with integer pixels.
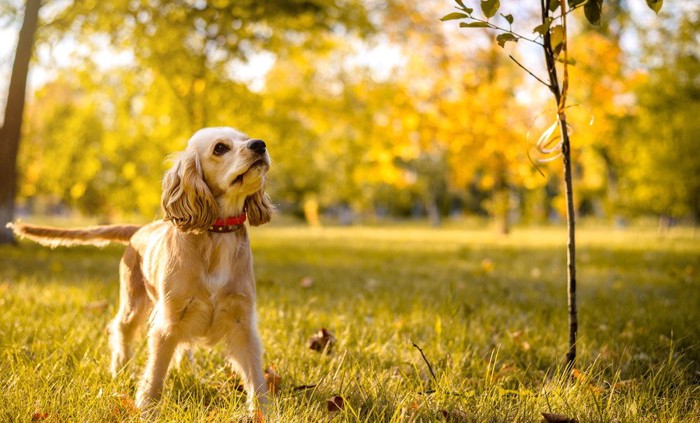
[{"x": 96, "y": 235}]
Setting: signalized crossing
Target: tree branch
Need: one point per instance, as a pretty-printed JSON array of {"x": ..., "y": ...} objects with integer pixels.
[
  {"x": 510, "y": 31},
  {"x": 578, "y": 6},
  {"x": 528, "y": 71}
]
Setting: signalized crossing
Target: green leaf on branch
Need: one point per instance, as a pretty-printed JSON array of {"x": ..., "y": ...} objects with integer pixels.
[
  {"x": 592, "y": 10},
  {"x": 556, "y": 36},
  {"x": 509, "y": 18},
  {"x": 571, "y": 61},
  {"x": 574, "y": 3},
  {"x": 469, "y": 10},
  {"x": 502, "y": 39},
  {"x": 553, "y": 5},
  {"x": 454, "y": 15},
  {"x": 543, "y": 28},
  {"x": 490, "y": 7},
  {"x": 473, "y": 25},
  {"x": 655, "y": 5}
]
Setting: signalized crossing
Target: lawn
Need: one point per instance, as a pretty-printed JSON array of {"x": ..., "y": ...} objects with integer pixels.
[{"x": 488, "y": 312}]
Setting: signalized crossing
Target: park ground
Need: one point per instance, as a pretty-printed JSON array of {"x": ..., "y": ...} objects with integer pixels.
[{"x": 488, "y": 312}]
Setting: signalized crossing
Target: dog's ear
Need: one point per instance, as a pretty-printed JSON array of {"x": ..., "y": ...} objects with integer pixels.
[
  {"x": 259, "y": 207},
  {"x": 187, "y": 200}
]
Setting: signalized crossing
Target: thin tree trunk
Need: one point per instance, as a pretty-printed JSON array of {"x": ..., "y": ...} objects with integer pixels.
[
  {"x": 11, "y": 131},
  {"x": 560, "y": 97},
  {"x": 571, "y": 243}
]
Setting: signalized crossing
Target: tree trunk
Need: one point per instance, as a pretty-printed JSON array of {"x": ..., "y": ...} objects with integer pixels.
[
  {"x": 571, "y": 243},
  {"x": 433, "y": 211},
  {"x": 11, "y": 130},
  {"x": 560, "y": 97}
]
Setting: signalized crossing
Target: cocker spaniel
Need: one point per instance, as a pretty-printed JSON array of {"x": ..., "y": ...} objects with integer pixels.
[{"x": 189, "y": 277}]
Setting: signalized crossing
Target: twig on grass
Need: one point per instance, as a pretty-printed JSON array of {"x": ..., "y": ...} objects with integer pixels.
[{"x": 426, "y": 361}]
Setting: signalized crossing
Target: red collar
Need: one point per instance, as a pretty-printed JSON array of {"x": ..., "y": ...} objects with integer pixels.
[{"x": 228, "y": 224}]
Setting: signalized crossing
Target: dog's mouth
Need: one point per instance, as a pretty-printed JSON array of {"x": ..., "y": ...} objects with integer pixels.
[{"x": 256, "y": 164}]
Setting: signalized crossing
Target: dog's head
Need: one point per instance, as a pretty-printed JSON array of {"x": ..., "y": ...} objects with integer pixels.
[{"x": 221, "y": 173}]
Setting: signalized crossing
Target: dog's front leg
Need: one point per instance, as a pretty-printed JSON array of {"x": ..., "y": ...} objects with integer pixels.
[
  {"x": 245, "y": 353},
  {"x": 161, "y": 347}
]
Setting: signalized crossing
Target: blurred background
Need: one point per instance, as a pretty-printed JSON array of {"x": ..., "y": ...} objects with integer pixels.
[{"x": 373, "y": 111}]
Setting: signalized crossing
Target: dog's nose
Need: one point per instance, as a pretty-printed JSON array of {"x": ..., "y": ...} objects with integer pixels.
[{"x": 257, "y": 145}]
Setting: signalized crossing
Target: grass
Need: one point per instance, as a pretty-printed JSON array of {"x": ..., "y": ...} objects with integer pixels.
[{"x": 488, "y": 312}]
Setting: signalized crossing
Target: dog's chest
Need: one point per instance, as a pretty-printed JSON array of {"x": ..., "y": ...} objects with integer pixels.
[
  {"x": 223, "y": 263},
  {"x": 218, "y": 274}
]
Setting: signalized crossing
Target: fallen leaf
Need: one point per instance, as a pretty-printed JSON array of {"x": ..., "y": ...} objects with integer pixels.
[
  {"x": 584, "y": 379},
  {"x": 306, "y": 282},
  {"x": 273, "y": 380},
  {"x": 38, "y": 416},
  {"x": 335, "y": 403},
  {"x": 525, "y": 346},
  {"x": 125, "y": 405},
  {"x": 578, "y": 375},
  {"x": 557, "y": 418},
  {"x": 322, "y": 341}
]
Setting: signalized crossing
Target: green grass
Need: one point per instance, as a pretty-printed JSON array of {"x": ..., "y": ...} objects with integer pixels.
[{"x": 488, "y": 312}]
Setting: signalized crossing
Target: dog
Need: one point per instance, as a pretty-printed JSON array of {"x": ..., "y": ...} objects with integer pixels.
[{"x": 189, "y": 277}]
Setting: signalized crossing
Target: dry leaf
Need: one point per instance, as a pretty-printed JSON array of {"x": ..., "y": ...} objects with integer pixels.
[
  {"x": 335, "y": 403},
  {"x": 125, "y": 405},
  {"x": 578, "y": 375},
  {"x": 273, "y": 380},
  {"x": 306, "y": 282},
  {"x": 557, "y": 418},
  {"x": 322, "y": 341},
  {"x": 38, "y": 416},
  {"x": 583, "y": 378}
]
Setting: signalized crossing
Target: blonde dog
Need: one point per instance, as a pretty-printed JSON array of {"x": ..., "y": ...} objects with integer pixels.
[{"x": 189, "y": 276}]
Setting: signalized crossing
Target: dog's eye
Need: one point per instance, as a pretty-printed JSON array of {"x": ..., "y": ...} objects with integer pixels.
[{"x": 220, "y": 149}]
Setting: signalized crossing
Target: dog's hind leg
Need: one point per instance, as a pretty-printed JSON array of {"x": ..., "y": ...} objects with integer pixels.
[
  {"x": 184, "y": 354},
  {"x": 134, "y": 307}
]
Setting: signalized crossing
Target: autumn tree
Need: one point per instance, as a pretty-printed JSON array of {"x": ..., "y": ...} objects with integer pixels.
[
  {"x": 182, "y": 75},
  {"x": 661, "y": 168},
  {"x": 11, "y": 130}
]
